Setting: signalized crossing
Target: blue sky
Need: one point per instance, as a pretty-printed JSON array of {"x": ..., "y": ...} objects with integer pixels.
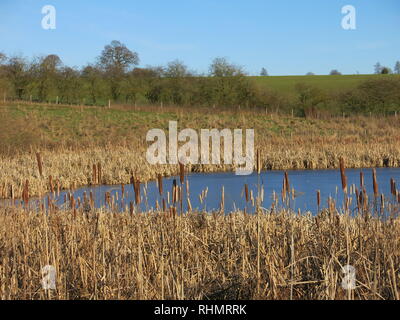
[{"x": 288, "y": 37}]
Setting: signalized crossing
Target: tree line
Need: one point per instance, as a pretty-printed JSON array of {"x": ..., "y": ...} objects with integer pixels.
[{"x": 115, "y": 76}]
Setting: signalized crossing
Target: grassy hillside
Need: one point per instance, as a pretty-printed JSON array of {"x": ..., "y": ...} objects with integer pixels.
[{"x": 26, "y": 125}]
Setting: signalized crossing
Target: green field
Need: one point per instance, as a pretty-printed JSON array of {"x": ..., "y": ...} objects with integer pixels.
[{"x": 287, "y": 84}]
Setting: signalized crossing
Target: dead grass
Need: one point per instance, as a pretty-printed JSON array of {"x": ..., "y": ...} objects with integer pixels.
[{"x": 102, "y": 255}]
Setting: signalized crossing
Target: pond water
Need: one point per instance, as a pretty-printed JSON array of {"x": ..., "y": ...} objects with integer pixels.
[{"x": 304, "y": 182}]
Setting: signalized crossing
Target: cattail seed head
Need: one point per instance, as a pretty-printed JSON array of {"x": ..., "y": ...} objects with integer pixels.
[
  {"x": 287, "y": 185},
  {"x": 375, "y": 183},
  {"x": 343, "y": 175},
  {"x": 40, "y": 163},
  {"x": 181, "y": 172},
  {"x": 160, "y": 184}
]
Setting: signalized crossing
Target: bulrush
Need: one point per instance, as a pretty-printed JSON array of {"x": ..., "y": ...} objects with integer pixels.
[
  {"x": 12, "y": 196},
  {"x": 283, "y": 190},
  {"x": 25, "y": 193},
  {"x": 71, "y": 200},
  {"x": 343, "y": 175},
  {"x": 174, "y": 198},
  {"x": 160, "y": 184},
  {"x": 99, "y": 173},
  {"x": 259, "y": 162},
  {"x": 146, "y": 248},
  {"x": 136, "y": 187},
  {"x": 94, "y": 174},
  {"x": 40, "y": 164},
  {"x": 318, "y": 199},
  {"x": 181, "y": 172},
  {"x": 246, "y": 191},
  {"x": 392, "y": 187},
  {"x": 375, "y": 183},
  {"x": 91, "y": 199},
  {"x": 287, "y": 184},
  {"x": 73, "y": 206}
]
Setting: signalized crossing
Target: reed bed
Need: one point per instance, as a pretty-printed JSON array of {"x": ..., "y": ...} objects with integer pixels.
[
  {"x": 167, "y": 253},
  {"x": 103, "y": 255}
]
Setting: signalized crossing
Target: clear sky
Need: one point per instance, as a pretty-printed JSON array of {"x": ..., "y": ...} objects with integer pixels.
[{"x": 288, "y": 37}]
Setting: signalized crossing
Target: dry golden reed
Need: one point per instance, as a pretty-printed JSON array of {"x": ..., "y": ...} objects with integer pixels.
[{"x": 237, "y": 256}]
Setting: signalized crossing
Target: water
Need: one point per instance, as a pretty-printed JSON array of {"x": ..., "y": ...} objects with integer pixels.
[{"x": 305, "y": 183}]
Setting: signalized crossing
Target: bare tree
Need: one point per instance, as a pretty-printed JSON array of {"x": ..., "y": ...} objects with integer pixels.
[
  {"x": 93, "y": 82},
  {"x": 51, "y": 62},
  {"x": 117, "y": 58},
  {"x": 378, "y": 68},
  {"x": 220, "y": 67},
  {"x": 386, "y": 70},
  {"x": 16, "y": 71},
  {"x": 45, "y": 70},
  {"x": 3, "y": 57},
  {"x": 335, "y": 73},
  {"x": 176, "y": 69},
  {"x": 397, "y": 67},
  {"x": 264, "y": 72}
]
